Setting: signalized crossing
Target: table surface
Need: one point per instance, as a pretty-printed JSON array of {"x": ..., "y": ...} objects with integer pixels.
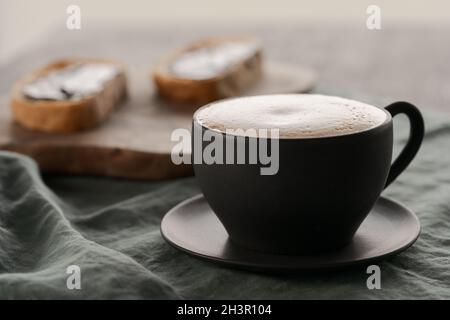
[{"x": 398, "y": 62}]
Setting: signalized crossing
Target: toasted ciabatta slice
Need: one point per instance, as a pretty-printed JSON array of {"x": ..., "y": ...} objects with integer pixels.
[
  {"x": 68, "y": 95},
  {"x": 210, "y": 69}
]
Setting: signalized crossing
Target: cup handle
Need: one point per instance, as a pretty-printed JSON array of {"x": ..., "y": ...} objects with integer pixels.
[{"x": 416, "y": 133}]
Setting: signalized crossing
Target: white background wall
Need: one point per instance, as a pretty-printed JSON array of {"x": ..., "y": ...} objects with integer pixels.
[{"x": 24, "y": 22}]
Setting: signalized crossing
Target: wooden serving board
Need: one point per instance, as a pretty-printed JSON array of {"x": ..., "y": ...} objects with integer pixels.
[{"x": 135, "y": 141}]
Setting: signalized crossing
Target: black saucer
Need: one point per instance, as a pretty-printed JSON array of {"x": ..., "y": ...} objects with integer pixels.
[{"x": 193, "y": 227}]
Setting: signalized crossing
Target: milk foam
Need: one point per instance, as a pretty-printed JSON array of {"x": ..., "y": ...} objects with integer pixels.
[{"x": 295, "y": 115}]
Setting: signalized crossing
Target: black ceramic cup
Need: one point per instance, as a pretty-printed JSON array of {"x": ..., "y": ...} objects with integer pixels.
[{"x": 325, "y": 187}]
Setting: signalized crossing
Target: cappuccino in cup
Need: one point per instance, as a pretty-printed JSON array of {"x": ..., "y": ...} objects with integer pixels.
[
  {"x": 295, "y": 116},
  {"x": 334, "y": 160}
]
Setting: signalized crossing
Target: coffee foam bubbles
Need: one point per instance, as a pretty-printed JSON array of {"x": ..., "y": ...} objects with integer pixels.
[{"x": 295, "y": 115}]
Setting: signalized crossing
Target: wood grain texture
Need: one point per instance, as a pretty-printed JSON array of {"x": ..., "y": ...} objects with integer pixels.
[{"x": 135, "y": 142}]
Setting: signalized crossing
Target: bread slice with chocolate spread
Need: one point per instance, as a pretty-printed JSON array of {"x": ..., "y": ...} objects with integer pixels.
[
  {"x": 68, "y": 95},
  {"x": 209, "y": 69}
]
